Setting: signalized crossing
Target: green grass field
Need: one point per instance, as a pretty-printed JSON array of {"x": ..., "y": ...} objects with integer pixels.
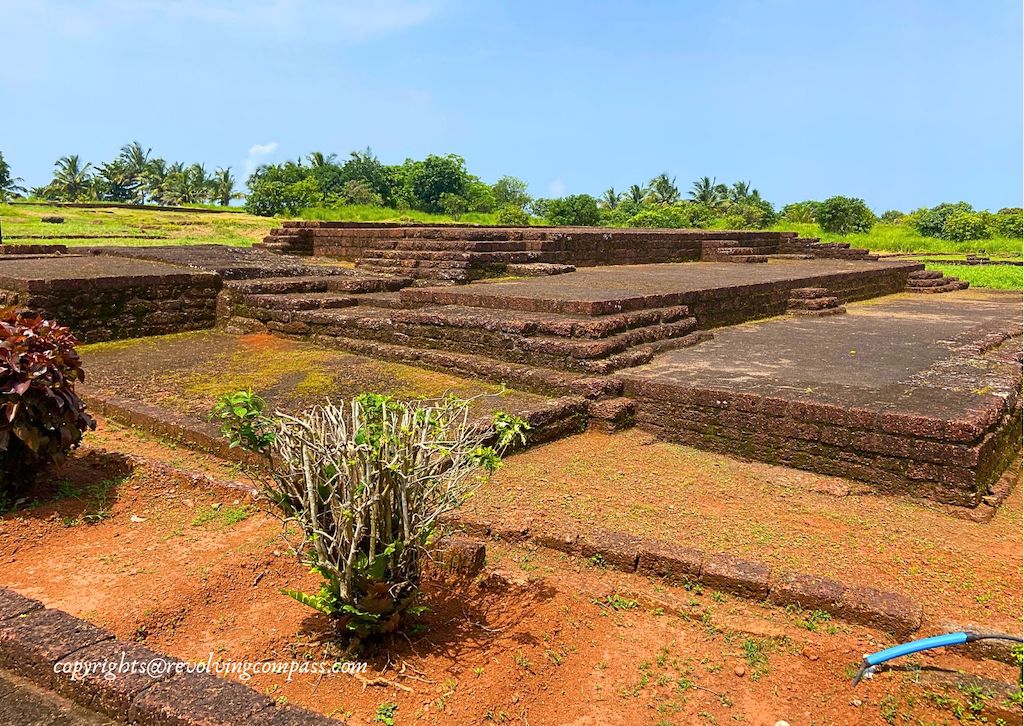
[
  {"x": 87, "y": 226},
  {"x": 897, "y": 238},
  {"x": 1001, "y": 277}
]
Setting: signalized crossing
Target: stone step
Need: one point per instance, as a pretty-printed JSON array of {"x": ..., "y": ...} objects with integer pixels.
[
  {"x": 410, "y": 327},
  {"x": 437, "y": 245},
  {"x": 927, "y": 281},
  {"x": 538, "y": 269},
  {"x": 726, "y": 251},
  {"x": 319, "y": 283},
  {"x": 823, "y": 312},
  {"x": 925, "y": 274},
  {"x": 552, "y": 324},
  {"x": 301, "y": 301},
  {"x": 747, "y": 258},
  {"x": 817, "y": 303},
  {"x": 280, "y": 285},
  {"x": 453, "y": 255},
  {"x": 951, "y": 284},
  {"x": 807, "y": 293},
  {"x": 456, "y": 274},
  {"x": 403, "y": 263},
  {"x": 389, "y": 300}
]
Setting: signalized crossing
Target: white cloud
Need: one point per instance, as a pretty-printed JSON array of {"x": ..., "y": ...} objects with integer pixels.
[
  {"x": 262, "y": 149},
  {"x": 257, "y": 156}
]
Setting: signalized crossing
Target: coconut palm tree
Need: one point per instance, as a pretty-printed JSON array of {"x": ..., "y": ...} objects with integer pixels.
[
  {"x": 155, "y": 174},
  {"x": 197, "y": 186},
  {"x": 135, "y": 162},
  {"x": 741, "y": 191},
  {"x": 223, "y": 187},
  {"x": 71, "y": 179},
  {"x": 708, "y": 192},
  {"x": 318, "y": 159},
  {"x": 610, "y": 199},
  {"x": 114, "y": 182},
  {"x": 663, "y": 190},
  {"x": 636, "y": 194},
  {"x": 10, "y": 186}
]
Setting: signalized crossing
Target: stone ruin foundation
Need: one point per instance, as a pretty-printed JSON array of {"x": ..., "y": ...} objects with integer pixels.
[{"x": 630, "y": 327}]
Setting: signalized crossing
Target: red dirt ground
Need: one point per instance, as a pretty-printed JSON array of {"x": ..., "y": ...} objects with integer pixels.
[{"x": 529, "y": 642}]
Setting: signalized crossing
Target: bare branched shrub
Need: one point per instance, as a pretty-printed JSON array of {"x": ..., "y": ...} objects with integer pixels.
[{"x": 365, "y": 482}]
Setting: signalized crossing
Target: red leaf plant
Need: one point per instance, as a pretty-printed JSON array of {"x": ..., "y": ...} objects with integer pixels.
[{"x": 41, "y": 417}]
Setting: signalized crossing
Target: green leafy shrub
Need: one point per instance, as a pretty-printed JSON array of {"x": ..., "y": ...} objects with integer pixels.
[
  {"x": 932, "y": 222},
  {"x": 961, "y": 226},
  {"x": 575, "y": 210},
  {"x": 673, "y": 217},
  {"x": 751, "y": 213},
  {"x": 1009, "y": 222},
  {"x": 454, "y": 205},
  {"x": 844, "y": 215},
  {"x": 243, "y": 422},
  {"x": 267, "y": 198},
  {"x": 893, "y": 216},
  {"x": 41, "y": 417},
  {"x": 800, "y": 212},
  {"x": 366, "y": 483},
  {"x": 512, "y": 216},
  {"x": 357, "y": 191}
]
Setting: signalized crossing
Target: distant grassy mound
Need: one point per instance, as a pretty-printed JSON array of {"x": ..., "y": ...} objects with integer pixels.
[
  {"x": 114, "y": 225},
  {"x": 904, "y": 238}
]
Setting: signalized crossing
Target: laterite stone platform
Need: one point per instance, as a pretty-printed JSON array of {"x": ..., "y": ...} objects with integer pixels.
[
  {"x": 913, "y": 394},
  {"x": 108, "y": 298}
]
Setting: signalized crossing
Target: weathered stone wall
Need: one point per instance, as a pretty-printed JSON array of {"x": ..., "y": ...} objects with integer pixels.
[
  {"x": 581, "y": 246},
  {"x": 105, "y": 309},
  {"x": 953, "y": 462}
]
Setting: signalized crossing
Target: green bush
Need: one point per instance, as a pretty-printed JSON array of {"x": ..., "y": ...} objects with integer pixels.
[
  {"x": 1009, "y": 222},
  {"x": 41, "y": 417},
  {"x": 453, "y": 205},
  {"x": 932, "y": 222},
  {"x": 844, "y": 215},
  {"x": 575, "y": 210},
  {"x": 269, "y": 198},
  {"x": 357, "y": 191},
  {"x": 893, "y": 216},
  {"x": 674, "y": 217},
  {"x": 366, "y": 483},
  {"x": 800, "y": 212},
  {"x": 751, "y": 213},
  {"x": 961, "y": 226},
  {"x": 512, "y": 216}
]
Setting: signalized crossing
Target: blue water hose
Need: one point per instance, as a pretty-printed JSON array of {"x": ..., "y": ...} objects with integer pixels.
[{"x": 873, "y": 660}]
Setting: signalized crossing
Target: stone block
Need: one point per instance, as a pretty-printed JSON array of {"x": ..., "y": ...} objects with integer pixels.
[
  {"x": 461, "y": 555},
  {"x": 133, "y": 668},
  {"x": 196, "y": 699},
  {"x": 671, "y": 561},
  {"x": 13, "y": 604},
  {"x": 616, "y": 550},
  {"x": 886, "y": 611},
  {"x": 810, "y": 592},
  {"x": 30, "y": 644},
  {"x": 736, "y": 575}
]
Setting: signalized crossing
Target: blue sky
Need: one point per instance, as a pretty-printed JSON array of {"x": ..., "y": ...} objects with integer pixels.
[{"x": 904, "y": 103}]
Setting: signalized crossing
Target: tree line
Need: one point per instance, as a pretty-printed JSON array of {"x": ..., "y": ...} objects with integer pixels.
[
  {"x": 442, "y": 184},
  {"x": 134, "y": 176}
]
